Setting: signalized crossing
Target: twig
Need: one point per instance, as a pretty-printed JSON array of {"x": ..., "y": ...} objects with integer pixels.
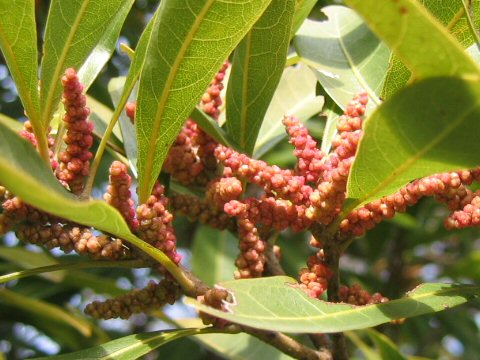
[
  {"x": 288, "y": 345},
  {"x": 273, "y": 265},
  {"x": 332, "y": 259}
]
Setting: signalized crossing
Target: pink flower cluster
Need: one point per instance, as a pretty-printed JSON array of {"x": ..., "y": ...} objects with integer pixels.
[
  {"x": 118, "y": 193},
  {"x": 155, "y": 224},
  {"x": 355, "y": 295},
  {"x": 75, "y": 160},
  {"x": 153, "y": 296}
]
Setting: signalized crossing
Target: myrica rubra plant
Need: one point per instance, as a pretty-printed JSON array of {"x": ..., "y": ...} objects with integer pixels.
[{"x": 201, "y": 192}]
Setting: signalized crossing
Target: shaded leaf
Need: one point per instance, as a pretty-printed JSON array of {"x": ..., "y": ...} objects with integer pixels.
[
  {"x": 414, "y": 35},
  {"x": 331, "y": 111},
  {"x": 216, "y": 248},
  {"x": 257, "y": 65},
  {"x": 128, "y": 347},
  {"x": 295, "y": 95},
  {"x": 181, "y": 60},
  {"x": 385, "y": 346},
  {"x": 211, "y": 127},
  {"x": 46, "y": 311},
  {"x": 235, "y": 347},
  {"x": 101, "y": 115},
  {"x": 11, "y": 123},
  {"x": 400, "y": 145},
  {"x": 25, "y": 175},
  {"x": 344, "y": 54},
  {"x": 275, "y": 303},
  {"x": 452, "y": 15},
  {"x": 74, "y": 30}
]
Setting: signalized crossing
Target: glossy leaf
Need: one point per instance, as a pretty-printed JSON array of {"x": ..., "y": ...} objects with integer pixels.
[
  {"x": 302, "y": 10},
  {"x": 275, "y": 303},
  {"x": 181, "y": 60},
  {"x": 129, "y": 347},
  {"x": 116, "y": 88},
  {"x": 46, "y": 311},
  {"x": 414, "y": 35},
  {"x": 239, "y": 346},
  {"x": 18, "y": 42},
  {"x": 216, "y": 248},
  {"x": 400, "y": 145},
  {"x": 257, "y": 66},
  {"x": 76, "y": 33},
  {"x": 25, "y": 175},
  {"x": 344, "y": 54},
  {"x": 452, "y": 15},
  {"x": 101, "y": 53},
  {"x": 295, "y": 95}
]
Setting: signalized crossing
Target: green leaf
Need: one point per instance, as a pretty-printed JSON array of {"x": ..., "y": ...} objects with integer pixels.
[
  {"x": 75, "y": 34},
  {"x": 18, "y": 41},
  {"x": 11, "y": 123},
  {"x": 295, "y": 95},
  {"x": 218, "y": 250},
  {"x": 181, "y": 60},
  {"x": 415, "y": 35},
  {"x": 257, "y": 66},
  {"x": 211, "y": 127},
  {"x": 302, "y": 10},
  {"x": 385, "y": 346},
  {"x": 25, "y": 175},
  {"x": 344, "y": 54},
  {"x": 101, "y": 115},
  {"x": 277, "y": 304},
  {"x": 105, "y": 46},
  {"x": 452, "y": 15},
  {"x": 368, "y": 352},
  {"x": 331, "y": 111},
  {"x": 116, "y": 88},
  {"x": 235, "y": 347},
  {"x": 129, "y": 347},
  {"x": 427, "y": 128},
  {"x": 46, "y": 311}
]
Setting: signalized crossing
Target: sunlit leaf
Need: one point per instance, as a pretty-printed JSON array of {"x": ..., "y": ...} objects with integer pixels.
[
  {"x": 452, "y": 15},
  {"x": 101, "y": 53},
  {"x": 385, "y": 346},
  {"x": 257, "y": 66},
  {"x": 344, "y": 54},
  {"x": 414, "y": 35},
  {"x": 275, "y": 303},
  {"x": 74, "y": 30},
  {"x": 181, "y": 60},
  {"x": 400, "y": 145},
  {"x": 302, "y": 9},
  {"x": 295, "y": 95}
]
